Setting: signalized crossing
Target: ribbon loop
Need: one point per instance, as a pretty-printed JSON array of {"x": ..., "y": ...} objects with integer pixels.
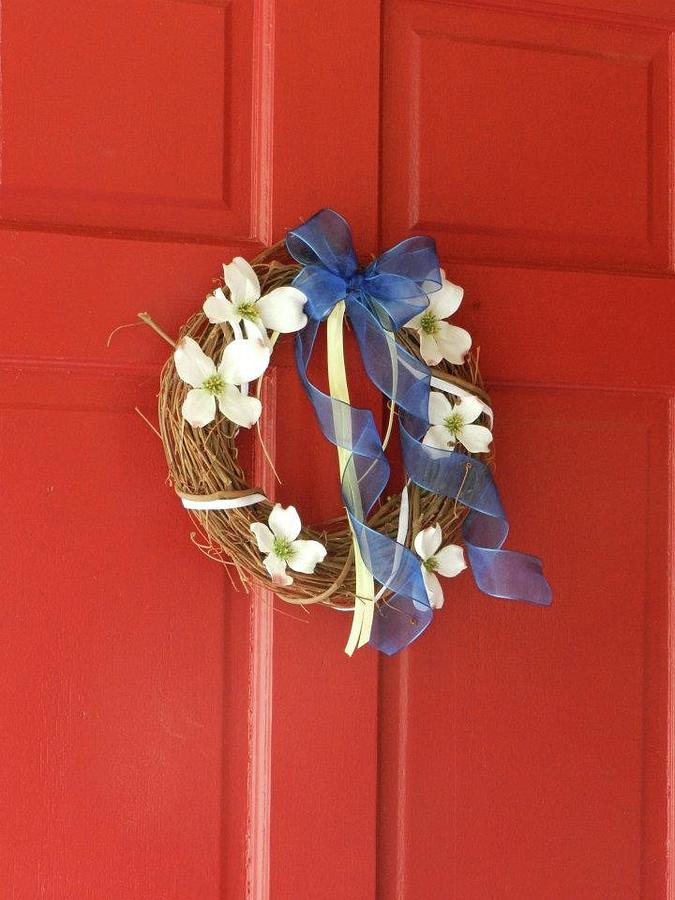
[
  {"x": 325, "y": 240},
  {"x": 393, "y": 288}
]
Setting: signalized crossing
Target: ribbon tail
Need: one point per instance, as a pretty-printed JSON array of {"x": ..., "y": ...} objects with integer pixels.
[
  {"x": 404, "y": 614},
  {"x": 337, "y": 383},
  {"x": 399, "y": 375},
  {"x": 506, "y": 574},
  {"x": 497, "y": 572}
]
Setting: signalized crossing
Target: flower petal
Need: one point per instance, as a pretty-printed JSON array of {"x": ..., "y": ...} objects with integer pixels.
[
  {"x": 439, "y": 407},
  {"x": 428, "y": 541},
  {"x": 277, "y": 569},
  {"x": 192, "y": 364},
  {"x": 450, "y": 561},
  {"x": 446, "y": 300},
  {"x": 244, "y": 361},
  {"x": 306, "y": 556},
  {"x": 238, "y": 407},
  {"x": 281, "y": 309},
  {"x": 264, "y": 537},
  {"x": 434, "y": 589},
  {"x": 453, "y": 342},
  {"x": 469, "y": 409},
  {"x": 416, "y": 322},
  {"x": 242, "y": 281},
  {"x": 429, "y": 349},
  {"x": 199, "y": 408},
  {"x": 217, "y": 308},
  {"x": 476, "y": 438},
  {"x": 285, "y": 523},
  {"x": 439, "y": 436}
]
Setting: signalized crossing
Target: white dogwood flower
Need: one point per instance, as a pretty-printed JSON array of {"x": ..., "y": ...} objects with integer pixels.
[
  {"x": 243, "y": 361},
  {"x": 438, "y": 339},
  {"x": 280, "y": 310},
  {"x": 454, "y": 423},
  {"x": 280, "y": 543},
  {"x": 447, "y": 562}
]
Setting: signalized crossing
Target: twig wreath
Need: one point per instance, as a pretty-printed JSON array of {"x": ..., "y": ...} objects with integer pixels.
[{"x": 383, "y": 558}]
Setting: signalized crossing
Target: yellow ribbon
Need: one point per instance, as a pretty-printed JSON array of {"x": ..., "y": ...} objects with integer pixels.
[{"x": 364, "y": 605}]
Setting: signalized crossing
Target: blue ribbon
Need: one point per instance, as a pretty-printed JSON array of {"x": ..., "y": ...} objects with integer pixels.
[
  {"x": 407, "y": 612},
  {"x": 497, "y": 572},
  {"x": 379, "y": 300}
]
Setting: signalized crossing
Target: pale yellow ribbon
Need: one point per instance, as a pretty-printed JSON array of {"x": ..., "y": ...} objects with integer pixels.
[{"x": 364, "y": 606}]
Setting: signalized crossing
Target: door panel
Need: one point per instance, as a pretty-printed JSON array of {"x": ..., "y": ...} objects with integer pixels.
[
  {"x": 112, "y": 676},
  {"x": 574, "y": 166},
  {"x": 532, "y": 759},
  {"x": 156, "y": 133}
]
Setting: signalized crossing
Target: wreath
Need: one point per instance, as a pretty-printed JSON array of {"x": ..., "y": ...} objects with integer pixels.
[{"x": 381, "y": 560}]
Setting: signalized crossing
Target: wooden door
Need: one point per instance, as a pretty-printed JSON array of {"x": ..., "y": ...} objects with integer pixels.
[{"x": 166, "y": 736}]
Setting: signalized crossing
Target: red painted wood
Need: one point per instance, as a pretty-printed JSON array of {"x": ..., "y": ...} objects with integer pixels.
[
  {"x": 573, "y": 167},
  {"x": 324, "y": 739},
  {"x": 166, "y": 736},
  {"x": 524, "y": 752},
  {"x": 144, "y": 128},
  {"x": 550, "y": 766}
]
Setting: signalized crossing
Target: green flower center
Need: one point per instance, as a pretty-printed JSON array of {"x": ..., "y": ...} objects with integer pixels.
[
  {"x": 430, "y": 564},
  {"x": 429, "y": 323},
  {"x": 281, "y": 547},
  {"x": 248, "y": 311},
  {"x": 454, "y": 423},
  {"x": 214, "y": 384}
]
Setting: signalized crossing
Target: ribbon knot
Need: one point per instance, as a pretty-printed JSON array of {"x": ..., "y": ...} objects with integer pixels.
[
  {"x": 356, "y": 282},
  {"x": 393, "y": 288}
]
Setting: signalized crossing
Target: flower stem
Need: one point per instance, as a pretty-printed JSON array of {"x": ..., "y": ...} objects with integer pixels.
[
  {"x": 258, "y": 390},
  {"x": 146, "y": 317}
]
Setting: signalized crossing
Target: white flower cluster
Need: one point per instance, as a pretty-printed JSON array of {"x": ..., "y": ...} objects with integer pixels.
[
  {"x": 451, "y": 423},
  {"x": 224, "y": 386},
  {"x": 278, "y": 540},
  {"x": 447, "y": 562},
  {"x": 244, "y": 358}
]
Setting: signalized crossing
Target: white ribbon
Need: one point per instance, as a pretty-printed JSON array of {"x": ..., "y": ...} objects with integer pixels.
[
  {"x": 400, "y": 538},
  {"x": 229, "y": 503}
]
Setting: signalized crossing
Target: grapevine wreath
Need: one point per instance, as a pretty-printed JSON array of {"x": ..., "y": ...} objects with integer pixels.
[{"x": 383, "y": 558}]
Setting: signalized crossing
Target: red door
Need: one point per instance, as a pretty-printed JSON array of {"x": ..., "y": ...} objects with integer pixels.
[{"x": 166, "y": 736}]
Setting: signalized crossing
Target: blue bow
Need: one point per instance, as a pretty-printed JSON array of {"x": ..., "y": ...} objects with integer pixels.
[
  {"x": 380, "y": 299},
  {"x": 393, "y": 288}
]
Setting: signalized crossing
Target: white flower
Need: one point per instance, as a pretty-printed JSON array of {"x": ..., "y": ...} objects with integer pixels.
[
  {"x": 448, "y": 562},
  {"x": 280, "y": 310},
  {"x": 243, "y": 361},
  {"x": 438, "y": 339},
  {"x": 282, "y": 547},
  {"x": 453, "y": 423}
]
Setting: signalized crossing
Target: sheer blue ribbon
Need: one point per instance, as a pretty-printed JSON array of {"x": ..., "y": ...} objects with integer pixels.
[
  {"x": 497, "y": 572},
  {"x": 407, "y": 611},
  {"x": 379, "y": 300}
]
